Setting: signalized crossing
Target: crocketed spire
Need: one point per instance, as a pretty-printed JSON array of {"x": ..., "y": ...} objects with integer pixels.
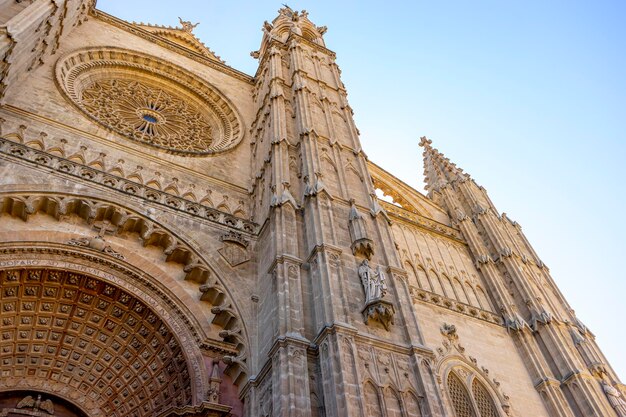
[{"x": 438, "y": 169}]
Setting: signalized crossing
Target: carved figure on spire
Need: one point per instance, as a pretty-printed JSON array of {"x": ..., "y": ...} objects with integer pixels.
[
  {"x": 187, "y": 26},
  {"x": 615, "y": 399}
]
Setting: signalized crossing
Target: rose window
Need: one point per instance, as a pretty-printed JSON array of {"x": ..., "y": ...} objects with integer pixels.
[
  {"x": 149, "y": 115},
  {"x": 150, "y": 102}
]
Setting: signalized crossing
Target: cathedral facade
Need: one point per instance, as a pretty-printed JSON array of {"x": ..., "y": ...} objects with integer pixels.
[{"x": 178, "y": 238}]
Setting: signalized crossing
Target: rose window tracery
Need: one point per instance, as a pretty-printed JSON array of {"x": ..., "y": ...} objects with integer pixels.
[
  {"x": 150, "y": 101},
  {"x": 148, "y": 115}
]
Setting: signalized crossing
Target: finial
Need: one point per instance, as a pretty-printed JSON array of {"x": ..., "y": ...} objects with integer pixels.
[
  {"x": 424, "y": 141},
  {"x": 187, "y": 25},
  {"x": 286, "y": 11}
]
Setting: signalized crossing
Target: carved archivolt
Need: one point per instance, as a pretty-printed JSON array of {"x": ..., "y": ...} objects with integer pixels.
[
  {"x": 468, "y": 387},
  {"x": 149, "y": 101},
  {"x": 122, "y": 221}
]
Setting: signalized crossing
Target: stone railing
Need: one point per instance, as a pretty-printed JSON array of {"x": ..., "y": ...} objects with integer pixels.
[{"x": 421, "y": 221}]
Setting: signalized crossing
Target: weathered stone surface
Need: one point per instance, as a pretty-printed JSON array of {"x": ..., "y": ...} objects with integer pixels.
[{"x": 219, "y": 247}]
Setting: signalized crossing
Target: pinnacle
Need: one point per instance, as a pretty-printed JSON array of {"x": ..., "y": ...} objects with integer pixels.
[{"x": 438, "y": 170}]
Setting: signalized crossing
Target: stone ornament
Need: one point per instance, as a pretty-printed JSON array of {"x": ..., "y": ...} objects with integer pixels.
[
  {"x": 615, "y": 399},
  {"x": 361, "y": 243},
  {"x": 213, "y": 395},
  {"x": 36, "y": 404},
  {"x": 449, "y": 331},
  {"x": 375, "y": 288},
  {"x": 140, "y": 98},
  {"x": 98, "y": 242},
  {"x": 187, "y": 26},
  {"x": 235, "y": 248}
]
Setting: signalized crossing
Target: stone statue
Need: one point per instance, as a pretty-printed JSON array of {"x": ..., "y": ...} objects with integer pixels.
[
  {"x": 36, "y": 404},
  {"x": 615, "y": 399},
  {"x": 373, "y": 282},
  {"x": 187, "y": 26}
]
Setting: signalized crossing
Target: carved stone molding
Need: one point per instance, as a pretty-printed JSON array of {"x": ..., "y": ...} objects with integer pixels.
[
  {"x": 454, "y": 305},
  {"x": 423, "y": 222},
  {"x": 96, "y": 243},
  {"x": 453, "y": 359},
  {"x": 94, "y": 175},
  {"x": 121, "y": 220},
  {"x": 139, "y": 97}
]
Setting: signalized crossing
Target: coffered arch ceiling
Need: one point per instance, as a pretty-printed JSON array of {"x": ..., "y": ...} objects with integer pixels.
[
  {"x": 213, "y": 295},
  {"x": 84, "y": 333}
]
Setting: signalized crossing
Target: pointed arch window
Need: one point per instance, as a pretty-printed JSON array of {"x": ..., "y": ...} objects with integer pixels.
[
  {"x": 484, "y": 402},
  {"x": 476, "y": 402},
  {"x": 460, "y": 397}
]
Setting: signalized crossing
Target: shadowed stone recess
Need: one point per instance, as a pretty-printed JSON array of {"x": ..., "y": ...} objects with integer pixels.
[{"x": 103, "y": 342}]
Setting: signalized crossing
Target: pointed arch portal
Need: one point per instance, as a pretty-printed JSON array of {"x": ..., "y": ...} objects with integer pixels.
[{"x": 93, "y": 336}]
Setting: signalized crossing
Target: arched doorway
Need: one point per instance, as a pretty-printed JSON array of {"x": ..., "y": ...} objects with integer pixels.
[
  {"x": 91, "y": 341},
  {"x": 208, "y": 328}
]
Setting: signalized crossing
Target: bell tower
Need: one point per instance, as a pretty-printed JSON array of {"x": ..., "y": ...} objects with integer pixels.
[{"x": 313, "y": 192}]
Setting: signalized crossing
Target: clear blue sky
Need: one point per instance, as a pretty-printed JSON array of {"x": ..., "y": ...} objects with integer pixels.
[{"x": 528, "y": 97}]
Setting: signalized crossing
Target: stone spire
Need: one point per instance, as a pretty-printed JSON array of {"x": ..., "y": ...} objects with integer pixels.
[{"x": 438, "y": 169}]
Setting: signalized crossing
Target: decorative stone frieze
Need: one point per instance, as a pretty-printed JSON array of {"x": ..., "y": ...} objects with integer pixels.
[
  {"x": 110, "y": 180},
  {"x": 454, "y": 305},
  {"x": 422, "y": 221}
]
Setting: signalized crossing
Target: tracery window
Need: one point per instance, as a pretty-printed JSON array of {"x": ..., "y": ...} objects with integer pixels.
[
  {"x": 460, "y": 397},
  {"x": 484, "y": 402},
  {"x": 142, "y": 99},
  {"x": 478, "y": 403}
]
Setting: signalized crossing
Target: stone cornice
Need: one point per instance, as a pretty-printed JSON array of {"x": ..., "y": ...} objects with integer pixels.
[
  {"x": 456, "y": 306},
  {"x": 422, "y": 222},
  {"x": 334, "y": 328},
  {"x": 86, "y": 173},
  {"x": 172, "y": 46},
  {"x": 26, "y": 115},
  {"x": 281, "y": 259},
  {"x": 343, "y": 329},
  {"x": 547, "y": 381},
  {"x": 324, "y": 247},
  {"x": 204, "y": 409}
]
